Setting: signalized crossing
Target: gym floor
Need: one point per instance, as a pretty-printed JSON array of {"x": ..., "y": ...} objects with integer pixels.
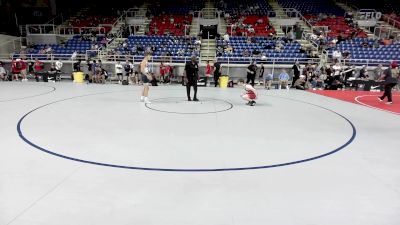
[{"x": 94, "y": 154}]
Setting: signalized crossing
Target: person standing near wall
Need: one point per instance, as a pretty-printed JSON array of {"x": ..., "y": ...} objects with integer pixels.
[
  {"x": 296, "y": 72},
  {"x": 208, "y": 73}
]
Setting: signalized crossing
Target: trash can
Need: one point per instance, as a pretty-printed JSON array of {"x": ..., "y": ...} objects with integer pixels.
[
  {"x": 78, "y": 77},
  {"x": 223, "y": 81}
]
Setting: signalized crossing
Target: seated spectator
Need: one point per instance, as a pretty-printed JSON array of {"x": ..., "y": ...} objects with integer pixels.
[
  {"x": 337, "y": 69},
  {"x": 278, "y": 46},
  {"x": 3, "y": 72},
  {"x": 317, "y": 81},
  {"x": 226, "y": 37},
  {"x": 290, "y": 36},
  {"x": 74, "y": 55},
  {"x": 283, "y": 80},
  {"x": 251, "y": 30},
  {"x": 48, "y": 49},
  {"x": 300, "y": 83},
  {"x": 387, "y": 41},
  {"x": 363, "y": 73},
  {"x": 378, "y": 71},
  {"x": 268, "y": 81},
  {"x": 181, "y": 52},
  {"x": 365, "y": 44},
  {"x": 337, "y": 56},
  {"x": 256, "y": 52},
  {"x": 229, "y": 49},
  {"x": 246, "y": 53}
]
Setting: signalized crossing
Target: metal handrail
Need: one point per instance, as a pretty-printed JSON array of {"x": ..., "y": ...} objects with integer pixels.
[
  {"x": 391, "y": 21},
  {"x": 68, "y": 28}
]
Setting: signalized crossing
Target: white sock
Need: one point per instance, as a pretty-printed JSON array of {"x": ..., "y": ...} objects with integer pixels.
[{"x": 141, "y": 98}]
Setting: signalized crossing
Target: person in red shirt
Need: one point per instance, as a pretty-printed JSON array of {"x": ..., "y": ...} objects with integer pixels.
[
  {"x": 16, "y": 67},
  {"x": 208, "y": 72},
  {"x": 38, "y": 67},
  {"x": 162, "y": 72},
  {"x": 24, "y": 71},
  {"x": 167, "y": 75}
]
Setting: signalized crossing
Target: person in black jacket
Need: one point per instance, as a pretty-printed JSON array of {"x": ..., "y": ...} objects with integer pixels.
[
  {"x": 251, "y": 73},
  {"x": 191, "y": 75},
  {"x": 389, "y": 83},
  {"x": 217, "y": 73},
  {"x": 296, "y": 72}
]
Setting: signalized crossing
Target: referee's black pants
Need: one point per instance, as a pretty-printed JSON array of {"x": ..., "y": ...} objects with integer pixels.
[
  {"x": 191, "y": 82},
  {"x": 388, "y": 92}
]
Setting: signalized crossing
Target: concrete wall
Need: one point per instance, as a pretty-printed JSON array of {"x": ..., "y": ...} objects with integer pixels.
[
  {"x": 8, "y": 45},
  {"x": 42, "y": 38}
]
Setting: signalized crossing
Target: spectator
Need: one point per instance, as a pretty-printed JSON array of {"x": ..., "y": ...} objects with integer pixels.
[
  {"x": 77, "y": 66},
  {"x": 283, "y": 79},
  {"x": 180, "y": 52},
  {"x": 300, "y": 83},
  {"x": 363, "y": 73},
  {"x": 262, "y": 70},
  {"x": 337, "y": 69},
  {"x": 162, "y": 72},
  {"x": 31, "y": 70},
  {"x": 278, "y": 46},
  {"x": 58, "y": 66},
  {"x": 74, "y": 55},
  {"x": 378, "y": 71},
  {"x": 246, "y": 53},
  {"x": 38, "y": 66},
  {"x": 119, "y": 71},
  {"x": 226, "y": 37},
  {"x": 52, "y": 73},
  {"x": 89, "y": 76},
  {"x": 128, "y": 67},
  {"x": 3, "y": 72},
  {"x": 18, "y": 67},
  {"x": 317, "y": 81},
  {"x": 296, "y": 72},
  {"x": 208, "y": 73},
  {"x": 337, "y": 56},
  {"x": 268, "y": 81}
]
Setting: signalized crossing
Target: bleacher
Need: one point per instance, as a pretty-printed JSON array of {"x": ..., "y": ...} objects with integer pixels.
[
  {"x": 289, "y": 53},
  {"x": 161, "y": 25},
  {"x": 259, "y": 28},
  {"x": 62, "y": 51},
  {"x": 360, "y": 55},
  {"x": 313, "y": 7},
  {"x": 336, "y": 26},
  {"x": 165, "y": 47},
  {"x": 246, "y": 8},
  {"x": 94, "y": 21},
  {"x": 179, "y": 7},
  {"x": 385, "y": 6}
]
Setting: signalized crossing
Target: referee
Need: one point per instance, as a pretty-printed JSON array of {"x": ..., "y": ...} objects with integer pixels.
[{"x": 191, "y": 75}]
